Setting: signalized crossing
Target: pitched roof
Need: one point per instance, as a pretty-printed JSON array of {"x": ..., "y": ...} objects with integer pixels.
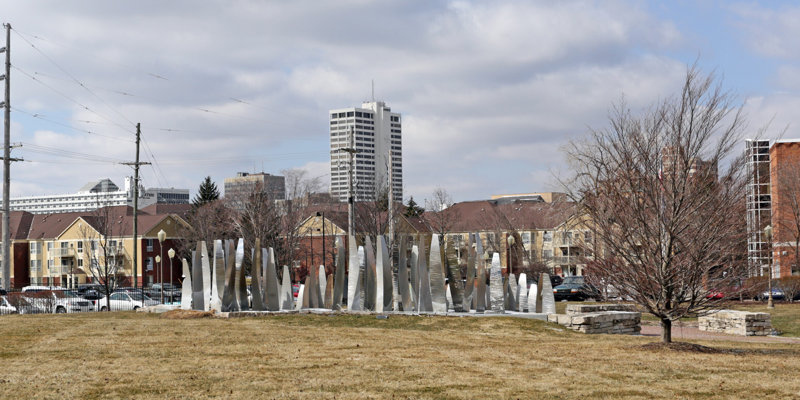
[
  {"x": 482, "y": 215},
  {"x": 160, "y": 209},
  {"x": 19, "y": 224},
  {"x": 48, "y": 226}
]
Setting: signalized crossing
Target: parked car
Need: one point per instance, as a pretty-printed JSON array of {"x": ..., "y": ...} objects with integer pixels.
[
  {"x": 777, "y": 294},
  {"x": 6, "y": 307},
  {"x": 36, "y": 301},
  {"x": 154, "y": 291},
  {"x": 35, "y": 288},
  {"x": 575, "y": 288},
  {"x": 125, "y": 301}
]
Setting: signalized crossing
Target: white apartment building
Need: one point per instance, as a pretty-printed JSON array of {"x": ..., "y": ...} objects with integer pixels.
[
  {"x": 375, "y": 132},
  {"x": 97, "y": 194}
]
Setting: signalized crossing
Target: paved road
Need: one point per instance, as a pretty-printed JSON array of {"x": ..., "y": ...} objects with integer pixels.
[{"x": 688, "y": 332}]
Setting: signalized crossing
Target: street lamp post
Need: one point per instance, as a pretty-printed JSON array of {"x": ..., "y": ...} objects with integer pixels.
[
  {"x": 768, "y": 236},
  {"x": 161, "y": 236},
  {"x": 158, "y": 271},
  {"x": 171, "y": 254}
]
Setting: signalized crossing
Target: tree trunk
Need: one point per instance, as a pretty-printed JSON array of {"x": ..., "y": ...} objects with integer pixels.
[{"x": 666, "y": 330}]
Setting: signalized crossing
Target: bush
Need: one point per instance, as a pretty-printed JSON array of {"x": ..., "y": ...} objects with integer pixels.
[
  {"x": 790, "y": 286},
  {"x": 754, "y": 286}
]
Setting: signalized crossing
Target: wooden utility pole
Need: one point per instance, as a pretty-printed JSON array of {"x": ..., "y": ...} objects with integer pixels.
[
  {"x": 136, "y": 165},
  {"x": 7, "y": 166}
]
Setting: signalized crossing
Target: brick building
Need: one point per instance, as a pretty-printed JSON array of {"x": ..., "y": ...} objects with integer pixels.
[{"x": 785, "y": 193}]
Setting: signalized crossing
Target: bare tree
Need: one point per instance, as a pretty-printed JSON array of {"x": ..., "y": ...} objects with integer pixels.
[
  {"x": 259, "y": 219},
  {"x": 207, "y": 222},
  {"x": 102, "y": 237},
  {"x": 299, "y": 185},
  {"x": 667, "y": 220}
]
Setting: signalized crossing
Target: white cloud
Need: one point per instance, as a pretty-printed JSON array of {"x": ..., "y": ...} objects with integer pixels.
[{"x": 489, "y": 91}]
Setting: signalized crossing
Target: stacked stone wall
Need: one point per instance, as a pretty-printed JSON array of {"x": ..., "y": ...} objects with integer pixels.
[
  {"x": 734, "y": 322},
  {"x": 609, "y": 322}
]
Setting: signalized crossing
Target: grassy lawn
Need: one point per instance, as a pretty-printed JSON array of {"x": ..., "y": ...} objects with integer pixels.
[{"x": 132, "y": 355}]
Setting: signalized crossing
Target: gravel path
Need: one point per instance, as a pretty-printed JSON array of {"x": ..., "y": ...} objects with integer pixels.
[{"x": 689, "y": 332}]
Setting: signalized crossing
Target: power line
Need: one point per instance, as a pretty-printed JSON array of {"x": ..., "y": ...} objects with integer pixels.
[
  {"x": 70, "y": 98},
  {"x": 74, "y": 78},
  {"x": 93, "y": 55},
  {"x": 44, "y": 118},
  {"x": 60, "y": 152}
]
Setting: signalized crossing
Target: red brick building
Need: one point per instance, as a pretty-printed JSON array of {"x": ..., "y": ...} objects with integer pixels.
[{"x": 785, "y": 193}]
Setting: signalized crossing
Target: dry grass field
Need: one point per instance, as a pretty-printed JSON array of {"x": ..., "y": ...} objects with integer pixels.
[{"x": 135, "y": 355}]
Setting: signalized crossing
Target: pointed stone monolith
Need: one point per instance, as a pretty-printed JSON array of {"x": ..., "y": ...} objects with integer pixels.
[
  {"x": 286, "y": 297},
  {"x": 186, "y": 286},
  {"x": 522, "y": 292},
  {"x": 338, "y": 280},
  {"x": 436, "y": 272},
  {"x": 496, "y": 285},
  {"x": 353, "y": 276}
]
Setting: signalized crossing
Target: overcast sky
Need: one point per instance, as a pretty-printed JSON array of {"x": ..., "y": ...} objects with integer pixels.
[{"x": 489, "y": 91}]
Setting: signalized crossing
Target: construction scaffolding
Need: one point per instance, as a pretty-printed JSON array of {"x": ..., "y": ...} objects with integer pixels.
[{"x": 759, "y": 205}]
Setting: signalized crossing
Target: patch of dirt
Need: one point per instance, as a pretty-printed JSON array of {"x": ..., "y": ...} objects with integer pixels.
[
  {"x": 187, "y": 314},
  {"x": 682, "y": 346}
]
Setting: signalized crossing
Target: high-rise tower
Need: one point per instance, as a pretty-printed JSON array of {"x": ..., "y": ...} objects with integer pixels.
[{"x": 375, "y": 133}]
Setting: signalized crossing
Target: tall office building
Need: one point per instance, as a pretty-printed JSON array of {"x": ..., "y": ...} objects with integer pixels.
[{"x": 375, "y": 133}]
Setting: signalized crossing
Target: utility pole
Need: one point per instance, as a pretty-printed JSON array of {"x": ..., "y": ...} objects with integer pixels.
[
  {"x": 136, "y": 165},
  {"x": 390, "y": 207},
  {"x": 7, "y": 164},
  {"x": 351, "y": 196}
]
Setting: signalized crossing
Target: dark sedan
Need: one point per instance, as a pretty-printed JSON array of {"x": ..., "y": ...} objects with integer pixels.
[{"x": 575, "y": 288}]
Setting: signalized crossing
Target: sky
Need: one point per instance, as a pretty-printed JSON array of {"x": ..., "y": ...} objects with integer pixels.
[{"x": 490, "y": 92}]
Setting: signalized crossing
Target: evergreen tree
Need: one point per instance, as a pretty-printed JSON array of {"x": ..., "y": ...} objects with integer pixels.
[
  {"x": 207, "y": 193},
  {"x": 413, "y": 209}
]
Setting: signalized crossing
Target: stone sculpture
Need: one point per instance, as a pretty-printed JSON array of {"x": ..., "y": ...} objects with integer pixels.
[
  {"x": 469, "y": 287},
  {"x": 322, "y": 281},
  {"x": 241, "y": 288},
  {"x": 186, "y": 288},
  {"x": 379, "y": 287},
  {"x": 370, "y": 278},
  {"x": 548, "y": 301},
  {"x": 510, "y": 289},
  {"x": 496, "y": 285},
  {"x": 436, "y": 272},
  {"x": 218, "y": 272},
  {"x": 532, "y": 300},
  {"x": 480, "y": 281},
  {"x": 286, "y": 297},
  {"x": 414, "y": 275},
  {"x": 198, "y": 301},
  {"x": 522, "y": 292},
  {"x": 403, "y": 285},
  {"x": 425, "y": 303},
  {"x": 229, "y": 301},
  {"x": 300, "y": 295},
  {"x": 338, "y": 280},
  {"x": 273, "y": 298},
  {"x": 386, "y": 265},
  {"x": 329, "y": 292},
  {"x": 255, "y": 278},
  {"x": 353, "y": 277}
]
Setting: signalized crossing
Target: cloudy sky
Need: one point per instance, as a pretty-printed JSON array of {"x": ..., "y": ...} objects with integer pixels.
[{"x": 489, "y": 91}]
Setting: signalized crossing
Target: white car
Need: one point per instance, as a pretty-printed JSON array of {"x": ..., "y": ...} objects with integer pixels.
[
  {"x": 55, "y": 301},
  {"x": 5, "y": 307},
  {"x": 125, "y": 301}
]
